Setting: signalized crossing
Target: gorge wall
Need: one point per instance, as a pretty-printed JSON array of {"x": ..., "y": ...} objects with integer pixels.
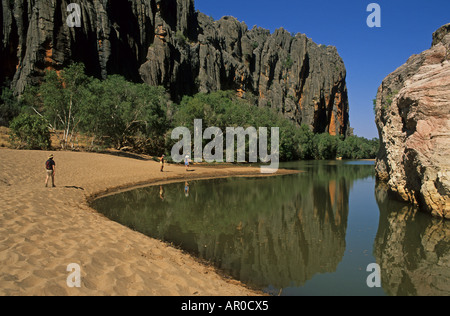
[
  {"x": 413, "y": 120},
  {"x": 168, "y": 43}
]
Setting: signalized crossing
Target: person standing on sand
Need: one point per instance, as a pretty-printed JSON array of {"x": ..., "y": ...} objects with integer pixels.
[
  {"x": 161, "y": 161},
  {"x": 50, "y": 168},
  {"x": 186, "y": 162}
]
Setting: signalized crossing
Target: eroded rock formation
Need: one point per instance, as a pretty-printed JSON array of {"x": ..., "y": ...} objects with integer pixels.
[
  {"x": 166, "y": 42},
  {"x": 413, "y": 119}
]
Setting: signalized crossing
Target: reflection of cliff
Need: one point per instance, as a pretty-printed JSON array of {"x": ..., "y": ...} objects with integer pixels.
[
  {"x": 300, "y": 236},
  {"x": 277, "y": 231},
  {"x": 412, "y": 249}
]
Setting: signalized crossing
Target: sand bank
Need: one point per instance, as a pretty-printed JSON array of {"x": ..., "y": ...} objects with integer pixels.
[{"x": 43, "y": 230}]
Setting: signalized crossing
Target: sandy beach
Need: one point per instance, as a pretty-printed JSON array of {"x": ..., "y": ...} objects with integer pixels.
[{"x": 43, "y": 230}]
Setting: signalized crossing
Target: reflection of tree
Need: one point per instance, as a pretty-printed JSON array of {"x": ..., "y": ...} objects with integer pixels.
[
  {"x": 412, "y": 248},
  {"x": 297, "y": 238},
  {"x": 277, "y": 231}
]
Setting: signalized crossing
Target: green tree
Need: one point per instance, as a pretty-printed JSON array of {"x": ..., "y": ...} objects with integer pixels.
[
  {"x": 29, "y": 132},
  {"x": 60, "y": 95},
  {"x": 122, "y": 111},
  {"x": 305, "y": 140},
  {"x": 114, "y": 111},
  {"x": 354, "y": 147},
  {"x": 9, "y": 106},
  {"x": 223, "y": 109},
  {"x": 325, "y": 146}
]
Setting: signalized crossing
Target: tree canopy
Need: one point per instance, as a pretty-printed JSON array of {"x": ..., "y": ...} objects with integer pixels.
[
  {"x": 114, "y": 111},
  {"x": 117, "y": 113}
]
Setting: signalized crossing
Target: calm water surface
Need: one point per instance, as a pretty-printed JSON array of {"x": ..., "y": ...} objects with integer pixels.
[{"x": 312, "y": 233}]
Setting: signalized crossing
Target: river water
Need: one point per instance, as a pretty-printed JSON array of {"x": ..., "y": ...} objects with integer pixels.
[{"x": 313, "y": 233}]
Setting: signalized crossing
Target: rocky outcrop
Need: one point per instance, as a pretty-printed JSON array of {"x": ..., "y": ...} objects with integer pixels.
[
  {"x": 413, "y": 120},
  {"x": 303, "y": 80},
  {"x": 113, "y": 38},
  {"x": 166, "y": 42}
]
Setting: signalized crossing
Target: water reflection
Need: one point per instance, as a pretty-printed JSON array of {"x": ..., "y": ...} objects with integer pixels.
[
  {"x": 277, "y": 231},
  {"x": 161, "y": 192},
  {"x": 412, "y": 248},
  {"x": 280, "y": 232}
]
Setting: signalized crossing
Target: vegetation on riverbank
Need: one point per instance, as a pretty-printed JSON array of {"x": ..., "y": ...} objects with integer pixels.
[{"x": 115, "y": 113}]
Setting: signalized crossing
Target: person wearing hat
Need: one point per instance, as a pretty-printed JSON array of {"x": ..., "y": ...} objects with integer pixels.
[
  {"x": 186, "y": 162},
  {"x": 161, "y": 160},
  {"x": 50, "y": 168}
]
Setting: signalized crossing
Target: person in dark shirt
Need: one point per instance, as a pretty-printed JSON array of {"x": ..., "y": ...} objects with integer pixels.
[{"x": 50, "y": 168}]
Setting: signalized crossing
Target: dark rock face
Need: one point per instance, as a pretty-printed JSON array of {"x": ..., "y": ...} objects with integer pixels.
[
  {"x": 113, "y": 38},
  {"x": 166, "y": 42},
  {"x": 413, "y": 120}
]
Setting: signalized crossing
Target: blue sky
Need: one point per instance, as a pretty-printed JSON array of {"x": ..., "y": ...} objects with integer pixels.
[{"x": 369, "y": 54}]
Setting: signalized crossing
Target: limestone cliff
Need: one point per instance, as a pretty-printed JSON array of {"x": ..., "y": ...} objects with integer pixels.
[
  {"x": 413, "y": 120},
  {"x": 166, "y": 42}
]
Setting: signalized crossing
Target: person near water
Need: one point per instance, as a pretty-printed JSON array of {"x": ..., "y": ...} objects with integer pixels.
[
  {"x": 186, "y": 162},
  {"x": 161, "y": 161},
  {"x": 50, "y": 168}
]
